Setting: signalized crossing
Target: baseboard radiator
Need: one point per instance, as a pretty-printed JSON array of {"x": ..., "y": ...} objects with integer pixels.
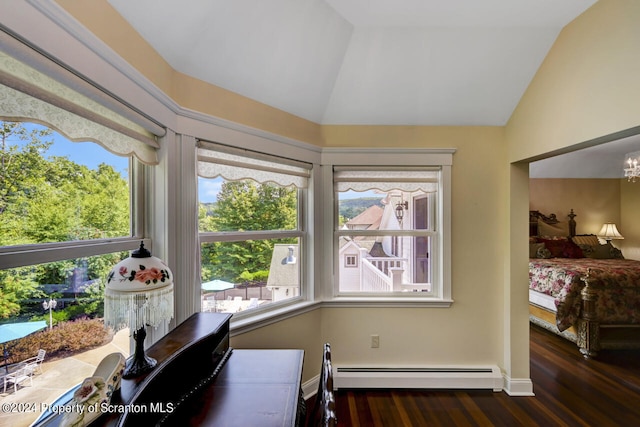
[{"x": 477, "y": 377}]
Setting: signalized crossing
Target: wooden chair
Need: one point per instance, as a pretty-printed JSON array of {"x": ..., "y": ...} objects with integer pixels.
[
  {"x": 324, "y": 408},
  {"x": 36, "y": 362}
]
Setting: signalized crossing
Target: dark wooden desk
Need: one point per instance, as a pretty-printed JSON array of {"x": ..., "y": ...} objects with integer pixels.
[
  {"x": 185, "y": 355},
  {"x": 254, "y": 388},
  {"x": 190, "y": 386}
]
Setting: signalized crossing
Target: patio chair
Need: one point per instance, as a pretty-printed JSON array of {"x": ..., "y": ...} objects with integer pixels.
[
  {"x": 23, "y": 373},
  {"x": 36, "y": 361}
]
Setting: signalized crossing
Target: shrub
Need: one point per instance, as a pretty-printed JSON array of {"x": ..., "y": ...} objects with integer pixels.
[{"x": 64, "y": 339}]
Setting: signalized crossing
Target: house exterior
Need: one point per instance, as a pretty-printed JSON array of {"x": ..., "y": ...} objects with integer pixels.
[
  {"x": 586, "y": 91},
  {"x": 390, "y": 263},
  {"x": 284, "y": 274}
]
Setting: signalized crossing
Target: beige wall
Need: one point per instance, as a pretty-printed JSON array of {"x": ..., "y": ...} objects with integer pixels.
[
  {"x": 302, "y": 331},
  {"x": 594, "y": 201},
  {"x": 470, "y": 332},
  {"x": 629, "y": 217},
  {"x": 586, "y": 87}
]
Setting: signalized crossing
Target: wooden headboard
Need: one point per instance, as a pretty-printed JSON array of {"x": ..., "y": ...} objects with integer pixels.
[{"x": 550, "y": 219}]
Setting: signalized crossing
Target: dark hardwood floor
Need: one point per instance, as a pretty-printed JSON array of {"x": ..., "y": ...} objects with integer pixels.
[{"x": 569, "y": 391}]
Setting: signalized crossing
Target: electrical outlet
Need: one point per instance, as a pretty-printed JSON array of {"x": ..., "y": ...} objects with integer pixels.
[{"x": 375, "y": 341}]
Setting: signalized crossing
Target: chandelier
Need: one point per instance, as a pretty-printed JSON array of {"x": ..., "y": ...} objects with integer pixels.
[{"x": 633, "y": 170}]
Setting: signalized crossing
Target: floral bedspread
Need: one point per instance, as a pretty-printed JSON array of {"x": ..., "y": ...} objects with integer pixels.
[{"x": 617, "y": 279}]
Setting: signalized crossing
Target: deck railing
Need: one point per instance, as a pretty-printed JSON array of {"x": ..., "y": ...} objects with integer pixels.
[{"x": 381, "y": 274}]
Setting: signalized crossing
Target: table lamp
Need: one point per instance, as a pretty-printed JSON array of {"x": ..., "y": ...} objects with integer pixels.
[
  {"x": 139, "y": 293},
  {"x": 609, "y": 232}
]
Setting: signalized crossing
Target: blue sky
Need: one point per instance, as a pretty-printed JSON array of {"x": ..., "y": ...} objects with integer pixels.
[
  {"x": 208, "y": 189},
  {"x": 88, "y": 154}
]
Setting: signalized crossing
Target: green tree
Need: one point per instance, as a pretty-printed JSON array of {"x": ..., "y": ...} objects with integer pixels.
[
  {"x": 105, "y": 185},
  {"x": 53, "y": 199},
  {"x": 21, "y": 175},
  {"x": 17, "y": 285},
  {"x": 246, "y": 206}
]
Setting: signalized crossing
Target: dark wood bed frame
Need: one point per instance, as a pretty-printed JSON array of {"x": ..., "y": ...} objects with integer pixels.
[
  {"x": 588, "y": 334},
  {"x": 534, "y": 216}
]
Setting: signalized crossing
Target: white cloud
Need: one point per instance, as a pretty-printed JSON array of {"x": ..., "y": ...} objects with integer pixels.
[{"x": 208, "y": 189}]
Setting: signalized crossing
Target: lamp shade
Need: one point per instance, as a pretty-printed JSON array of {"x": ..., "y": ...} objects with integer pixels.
[
  {"x": 609, "y": 231},
  {"x": 139, "y": 292}
]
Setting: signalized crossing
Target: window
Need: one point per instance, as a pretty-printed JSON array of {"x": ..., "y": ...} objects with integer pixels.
[
  {"x": 392, "y": 223},
  {"x": 65, "y": 219},
  {"x": 71, "y": 199},
  {"x": 350, "y": 261},
  {"x": 55, "y": 190},
  {"x": 251, "y": 228}
]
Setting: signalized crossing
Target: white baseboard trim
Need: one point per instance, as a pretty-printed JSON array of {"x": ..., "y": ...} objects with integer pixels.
[
  {"x": 511, "y": 386},
  {"x": 310, "y": 388},
  {"x": 518, "y": 386},
  {"x": 440, "y": 377}
]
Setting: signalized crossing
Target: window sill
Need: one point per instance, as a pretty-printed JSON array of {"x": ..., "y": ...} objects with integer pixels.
[
  {"x": 378, "y": 301},
  {"x": 248, "y": 323}
]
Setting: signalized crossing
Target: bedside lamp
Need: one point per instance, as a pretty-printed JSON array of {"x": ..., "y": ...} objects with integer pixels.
[
  {"x": 139, "y": 292},
  {"x": 609, "y": 232}
]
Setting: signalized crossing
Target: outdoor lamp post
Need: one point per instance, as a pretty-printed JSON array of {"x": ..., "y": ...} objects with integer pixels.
[
  {"x": 50, "y": 305},
  {"x": 400, "y": 208}
]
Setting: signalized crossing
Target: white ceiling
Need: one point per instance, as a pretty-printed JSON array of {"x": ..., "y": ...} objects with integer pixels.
[
  {"x": 601, "y": 161},
  {"x": 381, "y": 62},
  {"x": 400, "y": 62}
]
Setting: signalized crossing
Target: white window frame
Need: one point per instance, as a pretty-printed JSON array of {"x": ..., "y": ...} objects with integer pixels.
[
  {"x": 350, "y": 261},
  {"x": 441, "y": 294},
  {"x": 66, "y": 100},
  {"x": 246, "y": 320}
]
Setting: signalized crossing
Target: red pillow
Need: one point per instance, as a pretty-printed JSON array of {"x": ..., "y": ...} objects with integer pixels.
[{"x": 563, "y": 248}]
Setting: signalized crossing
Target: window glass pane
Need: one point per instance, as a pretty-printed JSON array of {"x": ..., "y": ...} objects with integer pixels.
[
  {"x": 246, "y": 205},
  {"x": 55, "y": 190},
  {"x": 250, "y": 254},
  {"x": 77, "y": 286},
  {"x": 65, "y": 302},
  {"x": 400, "y": 261},
  {"x": 242, "y": 275},
  {"x": 366, "y": 264}
]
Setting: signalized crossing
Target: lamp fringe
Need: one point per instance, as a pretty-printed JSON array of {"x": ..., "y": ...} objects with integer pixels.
[{"x": 137, "y": 309}]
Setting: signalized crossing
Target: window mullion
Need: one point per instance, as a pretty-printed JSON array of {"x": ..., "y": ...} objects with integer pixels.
[
  {"x": 237, "y": 236},
  {"x": 18, "y": 256},
  {"x": 383, "y": 233}
]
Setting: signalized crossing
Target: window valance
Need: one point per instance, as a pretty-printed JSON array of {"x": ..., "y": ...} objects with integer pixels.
[
  {"x": 217, "y": 160},
  {"x": 408, "y": 179},
  {"x": 74, "y": 108}
]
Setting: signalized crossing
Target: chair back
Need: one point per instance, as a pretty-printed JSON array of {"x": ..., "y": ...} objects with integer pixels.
[
  {"x": 324, "y": 409},
  {"x": 35, "y": 363}
]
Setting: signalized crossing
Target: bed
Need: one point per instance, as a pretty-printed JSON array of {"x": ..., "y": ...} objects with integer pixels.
[{"x": 580, "y": 288}]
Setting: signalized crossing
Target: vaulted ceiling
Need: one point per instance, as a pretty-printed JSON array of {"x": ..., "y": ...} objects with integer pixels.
[{"x": 400, "y": 62}]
